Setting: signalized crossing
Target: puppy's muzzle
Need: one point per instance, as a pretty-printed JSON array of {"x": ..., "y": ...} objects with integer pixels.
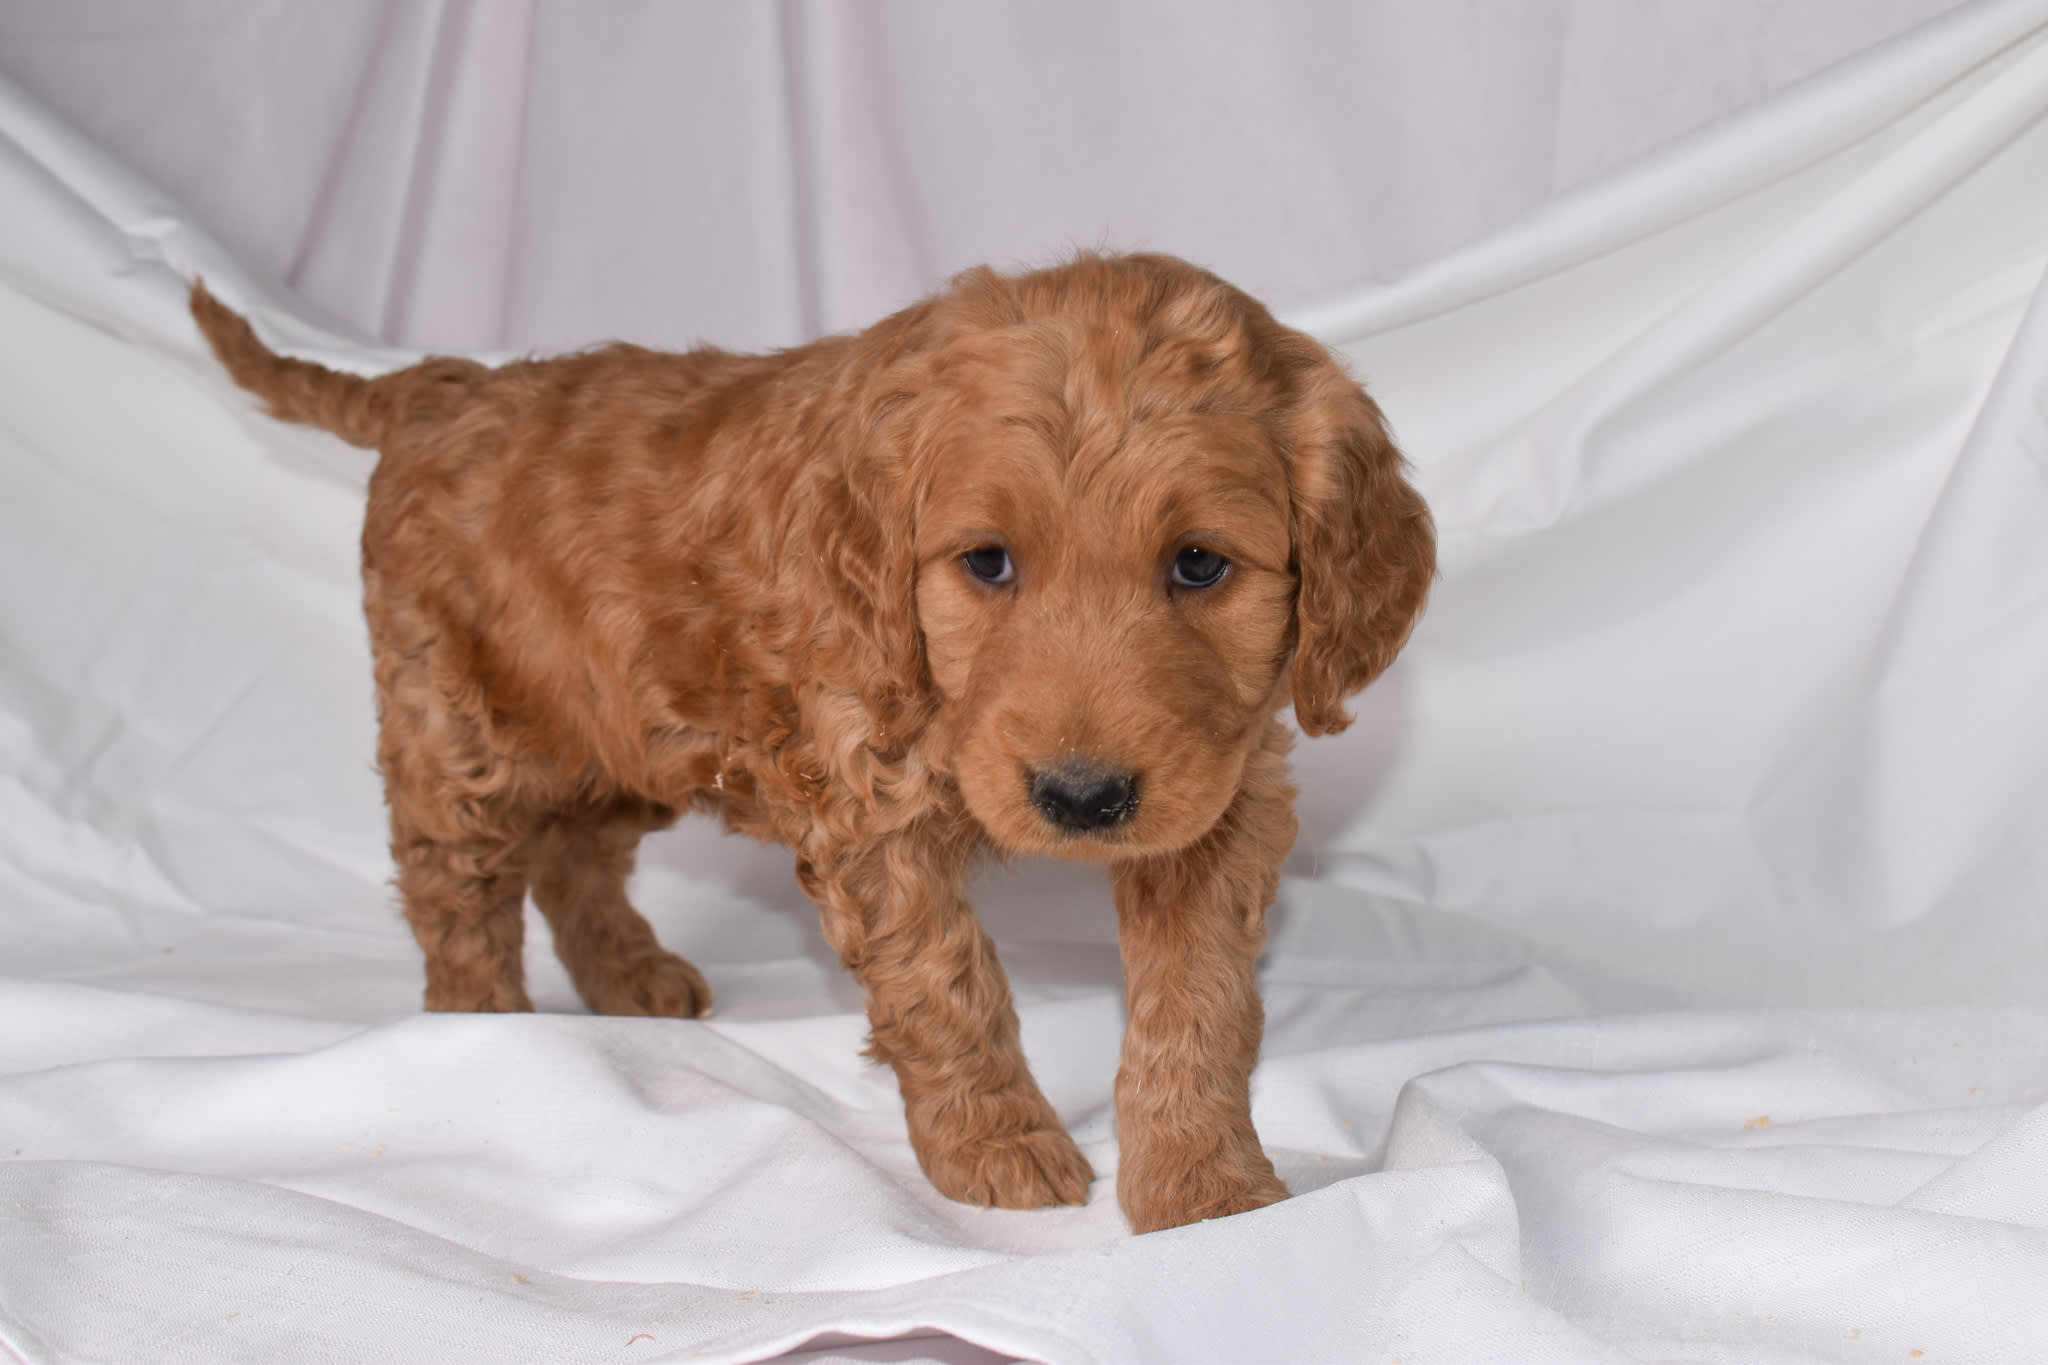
[{"x": 1084, "y": 797}]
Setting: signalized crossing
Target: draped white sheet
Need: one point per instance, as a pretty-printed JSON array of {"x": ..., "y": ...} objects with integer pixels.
[
  {"x": 537, "y": 173},
  {"x": 1663, "y": 974}
]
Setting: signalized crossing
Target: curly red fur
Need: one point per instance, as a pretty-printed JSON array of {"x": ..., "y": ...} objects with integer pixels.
[{"x": 610, "y": 587}]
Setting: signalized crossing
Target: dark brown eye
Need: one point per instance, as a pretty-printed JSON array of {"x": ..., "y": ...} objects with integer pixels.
[
  {"x": 1196, "y": 567},
  {"x": 990, "y": 564}
]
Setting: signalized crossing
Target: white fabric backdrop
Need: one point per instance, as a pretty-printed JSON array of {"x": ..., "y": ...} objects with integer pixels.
[
  {"x": 1661, "y": 975},
  {"x": 519, "y": 173}
]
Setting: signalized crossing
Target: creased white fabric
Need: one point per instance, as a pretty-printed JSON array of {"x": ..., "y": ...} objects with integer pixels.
[
  {"x": 1662, "y": 976},
  {"x": 536, "y": 173}
]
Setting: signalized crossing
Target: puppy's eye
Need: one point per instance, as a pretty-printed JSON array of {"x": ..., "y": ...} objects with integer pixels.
[
  {"x": 990, "y": 563},
  {"x": 1196, "y": 567}
]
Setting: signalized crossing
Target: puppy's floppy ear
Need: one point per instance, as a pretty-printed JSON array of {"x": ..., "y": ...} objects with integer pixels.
[
  {"x": 1364, "y": 549},
  {"x": 864, "y": 554},
  {"x": 864, "y": 540}
]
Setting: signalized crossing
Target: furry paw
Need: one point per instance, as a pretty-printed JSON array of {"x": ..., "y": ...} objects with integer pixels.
[
  {"x": 453, "y": 993},
  {"x": 1029, "y": 1170},
  {"x": 1153, "y": 1205},
  {"x": 658, "y": 984}
]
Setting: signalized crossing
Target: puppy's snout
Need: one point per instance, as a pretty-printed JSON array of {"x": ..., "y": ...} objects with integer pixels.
[{"x": 1081, "y": 796}]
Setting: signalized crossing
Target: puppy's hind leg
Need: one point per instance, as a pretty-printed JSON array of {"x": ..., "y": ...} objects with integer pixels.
[
  {"x": 459, "y": 829},
  {"x": 580, "y": 863},
  {"x": 466, "y": 902}
]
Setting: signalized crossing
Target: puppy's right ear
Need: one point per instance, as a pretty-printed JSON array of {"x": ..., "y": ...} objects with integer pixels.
[
  {"x": 863, "y": 546},
  {"x": 863, "y": 536}
]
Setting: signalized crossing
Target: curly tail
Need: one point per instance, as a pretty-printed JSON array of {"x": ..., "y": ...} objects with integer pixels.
[{"x": 360, "y": 411}]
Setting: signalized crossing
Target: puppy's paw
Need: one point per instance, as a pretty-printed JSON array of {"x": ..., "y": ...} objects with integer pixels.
[
  {"x": 463, "y": 993},
  {"x": 658, "y": 984},
  {"x": 1153, "y": 1205},
  {"x": 1034, "y": 1169}
]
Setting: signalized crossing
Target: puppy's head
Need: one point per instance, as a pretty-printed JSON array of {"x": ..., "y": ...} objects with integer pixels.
[{"x": 1142, "y": 517}]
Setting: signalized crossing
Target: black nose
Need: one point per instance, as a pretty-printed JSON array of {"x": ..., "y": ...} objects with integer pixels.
[{"x": 1081, "y": 796}]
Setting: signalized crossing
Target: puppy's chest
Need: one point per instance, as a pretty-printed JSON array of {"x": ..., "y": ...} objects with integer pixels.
[
  {"x": 726, "y": 732},
  {"x": 789, "y": 764}
]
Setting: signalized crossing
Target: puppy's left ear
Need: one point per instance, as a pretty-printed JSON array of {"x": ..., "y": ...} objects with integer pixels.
[{"x": 1364, "y": 548}]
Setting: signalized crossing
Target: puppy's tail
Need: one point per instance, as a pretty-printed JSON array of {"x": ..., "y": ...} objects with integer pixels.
[{"x": 360, "y": 411}]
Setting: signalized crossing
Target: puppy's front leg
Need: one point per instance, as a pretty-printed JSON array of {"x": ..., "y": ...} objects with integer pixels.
[
  {"x": 942, "y": 1017},
  {"x": 1190, "y": 926}
]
